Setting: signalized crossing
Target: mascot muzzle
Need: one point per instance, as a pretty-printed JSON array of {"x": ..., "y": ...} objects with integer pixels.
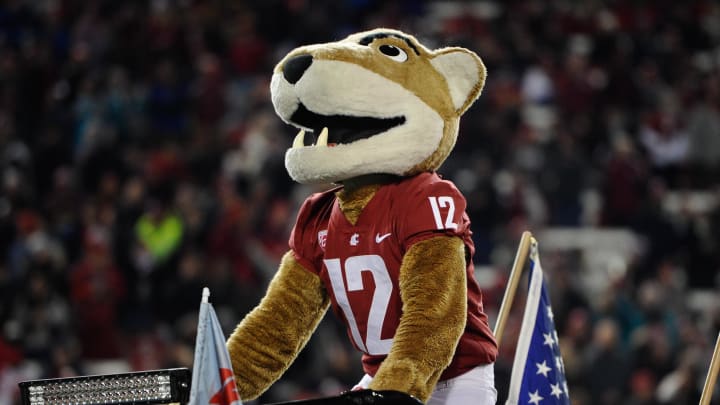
[{"x": 375, "y": 102}]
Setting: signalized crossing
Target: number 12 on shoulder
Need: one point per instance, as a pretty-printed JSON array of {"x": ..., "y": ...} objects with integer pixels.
[{"x": 436, "y": 203}]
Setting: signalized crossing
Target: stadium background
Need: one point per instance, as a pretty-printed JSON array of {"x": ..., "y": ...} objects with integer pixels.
[{"x": 141, "y": 160}]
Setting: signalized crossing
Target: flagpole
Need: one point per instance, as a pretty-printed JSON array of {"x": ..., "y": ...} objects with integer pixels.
[
  {"x": 520, "y": 260},
  {"x": 711, "y": 378}
]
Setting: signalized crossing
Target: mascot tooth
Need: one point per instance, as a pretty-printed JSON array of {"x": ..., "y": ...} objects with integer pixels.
[
  {"x": 322, "y": 138},
  {"x": 299, "y": 141},
  {"x": 389, "y": 248}
]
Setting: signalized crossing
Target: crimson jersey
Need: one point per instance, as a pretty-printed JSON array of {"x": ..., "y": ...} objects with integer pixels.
[{"x": 360, "y": 264}]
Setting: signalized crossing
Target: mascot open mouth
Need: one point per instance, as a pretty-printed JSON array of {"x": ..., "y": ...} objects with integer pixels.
[{"x": 341, "y": 129}]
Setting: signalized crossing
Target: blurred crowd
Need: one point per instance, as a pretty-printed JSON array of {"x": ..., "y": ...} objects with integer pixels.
[{"x": 141, "y": 159}]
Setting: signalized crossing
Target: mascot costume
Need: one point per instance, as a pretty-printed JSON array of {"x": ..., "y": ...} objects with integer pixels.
[{"x": 390, "y": 247}]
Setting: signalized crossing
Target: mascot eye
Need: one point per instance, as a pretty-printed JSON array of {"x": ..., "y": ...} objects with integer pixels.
[{"x": 394, "y": 53}]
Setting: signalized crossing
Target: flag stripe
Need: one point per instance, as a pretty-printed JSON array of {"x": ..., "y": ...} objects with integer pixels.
[{"x": 528, "y": 322}]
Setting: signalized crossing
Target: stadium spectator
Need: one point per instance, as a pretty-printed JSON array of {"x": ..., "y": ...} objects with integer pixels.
[{"x": 140, "y": 159}]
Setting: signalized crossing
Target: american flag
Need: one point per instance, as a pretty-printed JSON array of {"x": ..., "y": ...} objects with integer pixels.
[{"x": 538, "y": 372}]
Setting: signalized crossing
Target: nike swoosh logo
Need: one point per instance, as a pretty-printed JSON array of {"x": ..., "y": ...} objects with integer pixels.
[{"x": 379, "y": 238}]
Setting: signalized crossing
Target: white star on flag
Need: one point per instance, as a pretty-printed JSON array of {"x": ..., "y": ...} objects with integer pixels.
[
  {"x": 535, "y": 398},
  {"x": 556, "y": 391},
  {"x": 548, "y": 339},
  {"x": 542, "y": 368}
]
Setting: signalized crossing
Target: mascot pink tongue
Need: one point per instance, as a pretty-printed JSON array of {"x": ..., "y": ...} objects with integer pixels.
[{"x": 389, "y": 248}]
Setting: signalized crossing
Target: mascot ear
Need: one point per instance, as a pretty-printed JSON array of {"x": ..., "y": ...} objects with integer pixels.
[{"x": 464, "y": 73}]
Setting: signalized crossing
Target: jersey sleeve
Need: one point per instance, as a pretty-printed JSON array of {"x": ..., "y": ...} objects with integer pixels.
[
  {"x": 306, "y": 235},
  {"x": 433, "y": 208}
]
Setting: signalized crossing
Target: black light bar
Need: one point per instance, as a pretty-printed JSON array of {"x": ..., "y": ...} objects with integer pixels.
[{"x": 143, "y": 387}]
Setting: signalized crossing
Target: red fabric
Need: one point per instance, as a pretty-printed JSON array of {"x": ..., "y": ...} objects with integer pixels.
[
  {"x": 228, "y": 241},
  {"x": 97, "y": 288},
  {"x": 9, "y": 355},
  {"x": 247, "y": 54},
  {"x": 370, "y": 253}
]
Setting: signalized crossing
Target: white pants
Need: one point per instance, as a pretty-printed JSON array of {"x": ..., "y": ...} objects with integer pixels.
[{"x": 476, "y": 387}]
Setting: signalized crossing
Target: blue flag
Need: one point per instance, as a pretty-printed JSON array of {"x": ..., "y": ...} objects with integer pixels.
[
  {"x": 213, "y": 381},
  {"x": 538, "y": 373}
]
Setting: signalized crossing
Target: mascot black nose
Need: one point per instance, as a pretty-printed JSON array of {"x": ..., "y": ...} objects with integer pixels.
[{"x": 295, "y": 67}]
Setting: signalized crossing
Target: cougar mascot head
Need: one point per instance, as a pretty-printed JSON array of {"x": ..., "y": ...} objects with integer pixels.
[{"x": 389, "y": 247}]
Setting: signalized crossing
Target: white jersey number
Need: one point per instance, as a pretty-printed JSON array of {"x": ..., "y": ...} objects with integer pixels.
[
  {"x": 443, "y": 202},
  {"x": 354, "y": 266}
]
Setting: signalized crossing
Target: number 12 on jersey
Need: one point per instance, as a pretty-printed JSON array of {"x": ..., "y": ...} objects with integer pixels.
[
  {"x": 443, "y": 202},
  {"x": 354, "y": 267}
]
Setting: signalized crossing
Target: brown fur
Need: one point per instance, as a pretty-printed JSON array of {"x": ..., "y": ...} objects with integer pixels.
[
  {"x": 266, "y": 342},
  {"x": 357, "y": 193},
  {"x": 434, "y": 313},
  {"x": 433, "y": 289},
  {"x": 353, "y": 202},
  {"x": 432, "y": 284}
]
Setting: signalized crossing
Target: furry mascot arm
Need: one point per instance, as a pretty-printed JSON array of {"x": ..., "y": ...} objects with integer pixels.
[
  {"x": 434, "y": 294},
  {"x": 266, "y": 342}
]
